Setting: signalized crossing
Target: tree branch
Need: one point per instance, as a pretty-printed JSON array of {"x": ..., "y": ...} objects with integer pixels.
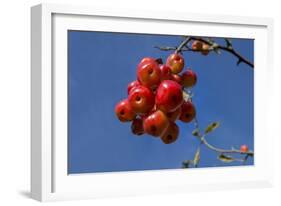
[
  {"x": 213, "y": 47},
  {"x": 227, "y": 48}
]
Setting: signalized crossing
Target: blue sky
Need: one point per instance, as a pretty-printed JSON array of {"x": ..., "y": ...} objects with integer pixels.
[{"x": 100, "y": 67}]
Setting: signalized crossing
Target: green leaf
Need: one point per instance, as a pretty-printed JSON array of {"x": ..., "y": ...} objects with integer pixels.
[
  {"x": 225, "y": 158},
  {"x": 212, "y": 127},
  {"x": 196, "y": 157},
  {"x": 196, "y": 133}
]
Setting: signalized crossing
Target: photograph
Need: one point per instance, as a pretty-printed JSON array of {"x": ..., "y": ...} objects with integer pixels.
[{"x": 139, "y": 102}]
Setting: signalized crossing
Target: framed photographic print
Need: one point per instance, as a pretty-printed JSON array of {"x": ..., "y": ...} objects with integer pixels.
[{"x": 134, "y": 102}]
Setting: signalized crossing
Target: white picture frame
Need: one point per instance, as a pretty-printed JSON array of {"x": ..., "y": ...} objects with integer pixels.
[{"x": 49, "y": 178}]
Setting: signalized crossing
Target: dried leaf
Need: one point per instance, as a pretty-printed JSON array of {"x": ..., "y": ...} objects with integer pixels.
[
  {"x": 251, "y": 155},
  {"x": 186, "y": 163},
  {"x": 228, "y": 43},
  {"x": 196, "y": 133},
  {"x": 186, "y": 96},
  {"x": 212, "y": 127},
  {"x": 225, "y": 158},
  {"x": 159, "y": 61}
]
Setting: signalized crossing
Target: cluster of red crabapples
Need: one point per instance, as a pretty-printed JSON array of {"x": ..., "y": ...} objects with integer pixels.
[{"x": 155, "y": 100}]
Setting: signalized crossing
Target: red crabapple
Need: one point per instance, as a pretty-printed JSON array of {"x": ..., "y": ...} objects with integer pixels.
[
  {"x": 124, "y": 111},
  {"x": 177, "y": 78},
  {"x": 165, "y": 72},
  {"x": 197, "y": 45},
  {"x": 156, "y": 123},
  {"x": 149, "y": 74},
  {"x": 146, "y": 60},
  {"x": 189, "y": 78},
  {"x": 137, "y": 126},
  {"x": 173, "y": 116},
  {"x": 132, "y": 85},
  {"x": 171, "y": 134},
  {"x": 176, "y": 62},
  {"x": 244, "y": 148},
  {"x": 205, "y": 49},
  {"x": 188, "y": 112},
  {"x": 141, "y": 99},
  {"x": 169, "y": 96}
]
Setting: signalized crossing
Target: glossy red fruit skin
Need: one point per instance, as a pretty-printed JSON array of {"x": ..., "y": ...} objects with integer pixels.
[
  {"x": 137, "y": 126},
  {"x": 173, "y": 116},
  {"x": 176, "y": 62},
  {"x": 169, "y": 96},
  {"x": 171, "y": 134},
  {"x": 149, "y": 74},
  {"x": 156, "y": 123},
  {"x": 188, "y": 112},
  {"x": 146, "y": 60},
  {"x": 244, "y": 148},
  {"x": 124, "y": 111},
  {"x": 141, "y": 99},
  {"x": 165, "y": 72},
  {"x": 177, "y": 78},
  {"x": 132, "y": 85},
  {"x": 197, "y": 45},
  {"x": 188, "y": 78},
  {"x": 205, "y": 49}
]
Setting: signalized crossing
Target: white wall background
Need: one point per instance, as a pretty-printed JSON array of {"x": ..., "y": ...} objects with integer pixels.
[{"x": 15, "y": 102}]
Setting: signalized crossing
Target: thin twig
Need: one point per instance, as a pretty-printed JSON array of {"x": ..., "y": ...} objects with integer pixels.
[
  {"x": 183, "y": 44},
  {"x": 166, "y": 48},
  {"x": 250, "y": 153}
]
